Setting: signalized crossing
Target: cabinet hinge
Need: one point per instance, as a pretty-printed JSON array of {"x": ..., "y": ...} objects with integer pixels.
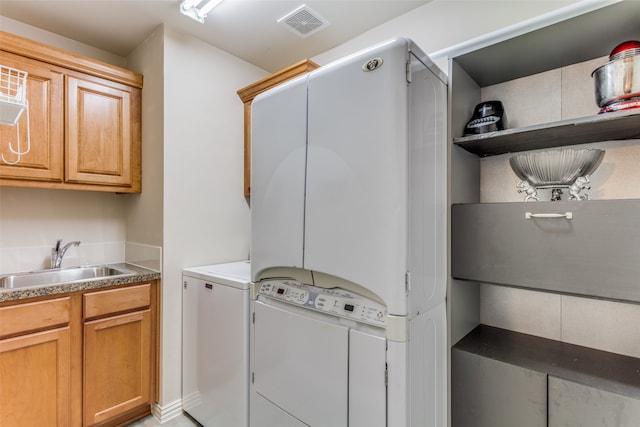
[
  {"x": 253, "y": 318},
  {"x": 407, "y": 282},
  {"x": 408, "y": 71},
  {"x": 253, "y": 378}
]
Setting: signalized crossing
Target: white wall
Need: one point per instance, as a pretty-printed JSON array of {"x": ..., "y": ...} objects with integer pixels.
[
  {"x": 32, "y": 219},
  {"x": 192, "y": 200},
  {"x": 144, "y": 210}
]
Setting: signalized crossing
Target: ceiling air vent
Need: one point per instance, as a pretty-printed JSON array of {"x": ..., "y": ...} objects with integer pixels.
[{"x": 303, "y": 21}]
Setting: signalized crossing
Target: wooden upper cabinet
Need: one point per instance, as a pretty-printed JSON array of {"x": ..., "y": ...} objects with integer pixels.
[
  {"x": 44, "y": 132},
  {"x": 84, "y": 121},
  {"x": 99, "y": 146},
  {"x": 248, "y": 93}
]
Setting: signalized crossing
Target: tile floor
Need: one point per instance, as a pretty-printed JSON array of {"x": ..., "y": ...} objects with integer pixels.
[{"x": 180, "y": 421}]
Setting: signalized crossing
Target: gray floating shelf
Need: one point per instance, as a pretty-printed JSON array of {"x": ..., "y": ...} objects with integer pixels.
[{"x": 602, "y": 127}]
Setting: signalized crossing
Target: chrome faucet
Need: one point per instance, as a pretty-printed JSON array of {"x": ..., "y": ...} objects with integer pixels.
[{"x": 57, "y": 253}]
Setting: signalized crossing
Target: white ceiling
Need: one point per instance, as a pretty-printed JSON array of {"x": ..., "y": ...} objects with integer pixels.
[{"x": 247, "y": 29}]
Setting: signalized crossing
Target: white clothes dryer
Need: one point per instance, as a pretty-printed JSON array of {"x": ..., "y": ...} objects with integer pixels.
[{"x": 319, "y": 357}]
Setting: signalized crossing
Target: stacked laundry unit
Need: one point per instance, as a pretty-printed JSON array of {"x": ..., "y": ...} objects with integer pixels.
[{"x": 348, "y": 249}]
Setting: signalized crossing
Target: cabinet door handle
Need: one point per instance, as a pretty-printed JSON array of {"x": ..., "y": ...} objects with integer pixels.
[{"x": 566, "y": 215}]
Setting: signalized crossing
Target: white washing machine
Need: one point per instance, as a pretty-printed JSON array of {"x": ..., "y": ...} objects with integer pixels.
[{"x": 215, "y": 344}]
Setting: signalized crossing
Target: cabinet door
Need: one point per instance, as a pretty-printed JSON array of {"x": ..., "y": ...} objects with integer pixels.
[
  {"x": 99, "y": 133},
  {"x": 576, "y": 405},
  {"x": 489, "y": 393},
  {"x": 594, "y": 253},
  {"x": 117, "y": 367},
  {"x": 278, "y": 176},
  {"x": 357, "y": 175},
  {"x": 35, "y": 387},
  {"x": 40, "y": 128}
]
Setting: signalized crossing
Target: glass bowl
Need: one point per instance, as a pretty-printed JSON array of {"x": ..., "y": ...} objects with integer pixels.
[{"x": 556, "y": 168}]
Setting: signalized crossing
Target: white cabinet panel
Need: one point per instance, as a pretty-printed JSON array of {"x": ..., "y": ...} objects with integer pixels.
[
  {"x": 278, "y": 153},
  {"x": 356, "y": 218},
  {"x": 367, "y": 389}
]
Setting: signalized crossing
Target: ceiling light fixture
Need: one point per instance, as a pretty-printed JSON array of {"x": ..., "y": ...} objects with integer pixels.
[{"x": 190, "y": 8}]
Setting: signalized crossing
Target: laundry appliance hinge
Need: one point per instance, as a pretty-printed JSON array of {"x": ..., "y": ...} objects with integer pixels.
[
  {"x": 386, "y": 375},
  {"x": 407, "y": 281}
]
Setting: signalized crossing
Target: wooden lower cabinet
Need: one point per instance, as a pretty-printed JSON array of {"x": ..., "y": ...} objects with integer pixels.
[
  {"x": 35, "y": 386},
  {"x": 119, "y": 354},
  {"x": 87, "y": 359},
  {"x": 36, "y": 364},
  {"x": 117, "y": 367}
]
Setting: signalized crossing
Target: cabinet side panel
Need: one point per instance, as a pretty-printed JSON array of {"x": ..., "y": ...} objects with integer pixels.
[
  {"x": 427, "y": 200},
  {"x": 428, "y": 368}
]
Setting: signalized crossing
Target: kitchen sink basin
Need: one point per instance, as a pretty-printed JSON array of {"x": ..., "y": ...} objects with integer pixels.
[{"x": 64, "y": 275}]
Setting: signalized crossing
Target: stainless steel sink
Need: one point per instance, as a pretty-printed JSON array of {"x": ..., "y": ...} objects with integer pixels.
[{"x": 65, "y": 275}]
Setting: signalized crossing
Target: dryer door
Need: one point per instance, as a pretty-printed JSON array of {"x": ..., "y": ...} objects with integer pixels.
[{"x": 301, "y": 364}]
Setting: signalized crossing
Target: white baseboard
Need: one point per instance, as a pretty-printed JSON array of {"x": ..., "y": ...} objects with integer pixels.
[{"x": 164, "y": 413}]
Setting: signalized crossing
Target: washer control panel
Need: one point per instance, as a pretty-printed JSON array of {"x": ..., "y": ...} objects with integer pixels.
[{"x": 335, "y": 301}]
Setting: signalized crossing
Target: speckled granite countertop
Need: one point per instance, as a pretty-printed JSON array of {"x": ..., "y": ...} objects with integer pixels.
[{"x": 139, "y": 275}]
